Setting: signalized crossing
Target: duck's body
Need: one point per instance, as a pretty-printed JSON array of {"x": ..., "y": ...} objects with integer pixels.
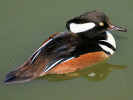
[{"x": 86, "y": 42}]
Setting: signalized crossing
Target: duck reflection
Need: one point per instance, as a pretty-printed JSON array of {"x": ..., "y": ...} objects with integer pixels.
[{"x": 93, "y": 73}]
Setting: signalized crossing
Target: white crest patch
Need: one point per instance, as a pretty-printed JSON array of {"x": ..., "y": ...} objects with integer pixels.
[{"x": 77, "y": 28}]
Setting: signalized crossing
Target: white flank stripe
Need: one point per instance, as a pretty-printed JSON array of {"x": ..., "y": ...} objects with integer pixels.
[
  {"x": 52, "y": 65},
  {"x": 68, "y": 59},
  {"x": 39, "y": 50},
  {"x": 42, "y": 46},
  {"x": 77, "y": 28},
  {"x": 107, "y": 49},
  {"x": 35, "y": 56}
]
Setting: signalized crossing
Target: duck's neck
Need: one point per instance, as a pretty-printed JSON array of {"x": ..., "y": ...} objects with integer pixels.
[{"x": 105, "y": 40}]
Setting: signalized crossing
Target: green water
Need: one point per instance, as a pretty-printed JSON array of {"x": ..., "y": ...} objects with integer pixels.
[{"x": 25, "y": 24}]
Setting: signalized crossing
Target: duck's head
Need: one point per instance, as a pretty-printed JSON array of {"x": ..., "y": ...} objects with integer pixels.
[{"x": 92, "y": 22}]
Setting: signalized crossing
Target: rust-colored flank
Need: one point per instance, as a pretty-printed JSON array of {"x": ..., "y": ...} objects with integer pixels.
[{"x": 79, "y": 63}]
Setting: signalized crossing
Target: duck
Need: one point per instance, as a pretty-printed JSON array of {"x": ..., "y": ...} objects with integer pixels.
[{"x": 86, "y": 42}]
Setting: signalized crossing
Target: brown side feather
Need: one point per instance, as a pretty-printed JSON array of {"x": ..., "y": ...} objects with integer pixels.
[{"x": 79, "y": 63}]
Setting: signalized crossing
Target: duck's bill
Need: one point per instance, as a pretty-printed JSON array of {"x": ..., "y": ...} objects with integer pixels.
[{"x": 113, "y": 27}]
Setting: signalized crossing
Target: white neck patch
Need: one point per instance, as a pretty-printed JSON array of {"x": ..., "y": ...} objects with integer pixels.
[
  {"x": 110, "y": 39},
  {"x": 77, "y": 28},
  {"x": 107, "y": 49}
]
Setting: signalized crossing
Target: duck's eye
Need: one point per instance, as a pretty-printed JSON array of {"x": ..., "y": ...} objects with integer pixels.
[{"x": 101, "y": 23}]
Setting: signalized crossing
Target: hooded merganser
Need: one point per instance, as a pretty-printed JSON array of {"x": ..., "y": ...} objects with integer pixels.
[{"x": 86, "y": 42}]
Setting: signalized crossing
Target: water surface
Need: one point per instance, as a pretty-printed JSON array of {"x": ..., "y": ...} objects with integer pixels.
[{"x": 25, "y": 24}]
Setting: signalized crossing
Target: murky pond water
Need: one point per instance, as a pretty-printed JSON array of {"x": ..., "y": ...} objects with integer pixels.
[{"x": 25, "y": 24}]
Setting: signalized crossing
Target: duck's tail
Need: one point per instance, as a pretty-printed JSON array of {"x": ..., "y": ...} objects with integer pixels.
[
  {"x": 12, "y": 77},
  {"x": 24, "y": 73}
]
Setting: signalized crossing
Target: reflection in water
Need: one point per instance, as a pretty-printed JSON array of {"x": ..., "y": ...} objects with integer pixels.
[{"x": 94, "y": 73}]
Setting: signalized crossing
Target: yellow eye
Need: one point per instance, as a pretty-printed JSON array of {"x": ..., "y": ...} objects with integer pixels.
[{"x": 101, "y": 23}]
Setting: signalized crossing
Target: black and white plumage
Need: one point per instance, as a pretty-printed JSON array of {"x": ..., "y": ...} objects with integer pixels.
[
  {"x": 105, "y": 43},
  {"x": 87, "y": 41}
]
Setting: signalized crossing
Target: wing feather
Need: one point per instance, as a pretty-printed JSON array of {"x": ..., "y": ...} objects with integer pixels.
[
  {"x": 57, "y": 62},
  {"x": 62, "y": 48}
]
